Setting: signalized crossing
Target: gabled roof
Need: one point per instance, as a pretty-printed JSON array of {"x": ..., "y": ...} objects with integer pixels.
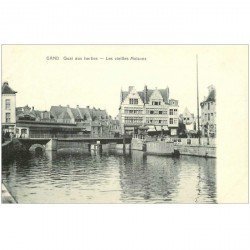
[
  {"x": 6, "y": 89},
  {"x": 64, "y": 115},
  {"x": 76, "y": 113},
  {"x": 98, "y": 113},
  {"x": 85, "y": 113},
  {"x": 187, "y": 113},
  {"x": 164, "y": 94},
  {"x": 56, "y": 111}
]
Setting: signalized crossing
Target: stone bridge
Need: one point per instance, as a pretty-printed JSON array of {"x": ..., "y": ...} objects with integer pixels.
[{"x": 59, "y": 143}]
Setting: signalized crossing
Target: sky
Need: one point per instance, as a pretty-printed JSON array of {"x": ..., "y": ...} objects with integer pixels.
[{"x": 42, "y": 82}]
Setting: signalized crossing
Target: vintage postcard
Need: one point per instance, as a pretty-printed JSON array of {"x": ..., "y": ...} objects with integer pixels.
[{"x": 124, "y": 124}]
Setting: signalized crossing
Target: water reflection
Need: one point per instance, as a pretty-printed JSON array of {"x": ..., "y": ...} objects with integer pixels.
[{"x": 110, "y": 177}]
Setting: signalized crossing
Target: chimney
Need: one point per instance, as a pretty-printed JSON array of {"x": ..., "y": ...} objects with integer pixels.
[
  {"x": 87, "y": 107},
  {"x": 167, "y": 94},
  {"x": 6, "y": 83},
  {"x": 77, "y": 106},
  {"x": 32, "y": 108}
]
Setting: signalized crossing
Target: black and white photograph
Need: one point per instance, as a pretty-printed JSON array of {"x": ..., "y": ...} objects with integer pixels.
[
  {"x": 124, "y": 125},
  {"x": 150, "y": 138}
]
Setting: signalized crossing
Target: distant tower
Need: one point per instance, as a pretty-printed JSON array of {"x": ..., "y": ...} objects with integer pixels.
[{"x": 8, "y": 108}]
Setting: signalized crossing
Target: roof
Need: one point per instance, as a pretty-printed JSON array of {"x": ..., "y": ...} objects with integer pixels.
[
  {"x": 6, "y": 89},
  {"x": 56, "y": 111},
  {"x": 85, "y": 113},
  {"x": 64, "y": 115},
  {"x": 98, "y": 113},
  {"x": 164, "y": 94},
  {"x": 76, "y": 113},
  {"x": 187, "y": 113},
  {"x": 211, "y": 97}
]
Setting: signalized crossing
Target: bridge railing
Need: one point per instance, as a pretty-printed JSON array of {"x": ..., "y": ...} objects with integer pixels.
[{"x": 65, "y": 136}]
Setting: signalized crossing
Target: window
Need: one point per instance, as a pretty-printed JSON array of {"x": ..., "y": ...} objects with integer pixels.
[
  {"x": 171, "y": 121},
  {"x": 171, "y": 111},
  {"x": 160, "y": 112},
  {"x": 159, "y": 121},
  {"x": 175, "y": 111},
  {"x": 7, "y": 104},
  {"x": 208, "y": 106},
  {"x": 208, "y": 116},
  {"x": 7, "y": 117},
  {"x": 24, "y": 131},
  {"x": 133, "y": 101},
  {"x": 151, "y": 112}
]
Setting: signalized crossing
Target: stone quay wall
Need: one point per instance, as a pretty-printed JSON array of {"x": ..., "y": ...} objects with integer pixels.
[
  {"x": 196, "y": 150},
  {"x": 160, "y": 148}
]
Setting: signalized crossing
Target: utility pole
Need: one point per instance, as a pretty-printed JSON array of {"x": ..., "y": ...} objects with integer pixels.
[{"x": 198, "y": 105}]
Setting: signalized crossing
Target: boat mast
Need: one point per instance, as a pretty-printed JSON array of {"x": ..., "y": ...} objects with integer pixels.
[{"x": 198, "y": 109}]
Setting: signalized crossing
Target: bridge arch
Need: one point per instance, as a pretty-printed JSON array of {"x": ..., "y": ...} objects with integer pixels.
[{"x": 37, "y": 147}]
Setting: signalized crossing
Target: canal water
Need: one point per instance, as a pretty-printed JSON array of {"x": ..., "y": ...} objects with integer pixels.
[{"x": 110, "y": 177}]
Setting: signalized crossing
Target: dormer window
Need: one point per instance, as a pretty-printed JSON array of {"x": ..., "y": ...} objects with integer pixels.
[{"x": 156, "y": 103}]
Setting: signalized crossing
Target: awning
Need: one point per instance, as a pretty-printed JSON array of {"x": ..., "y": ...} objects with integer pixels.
[
  {"x": 143, "y": 127},
  {"x": 158, "y": 128},
  {"x": 165, "y": 128},
  {"x": 151, "y": 128}
]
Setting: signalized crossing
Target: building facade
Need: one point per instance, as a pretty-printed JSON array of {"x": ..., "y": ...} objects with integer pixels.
[
  {"x": 8, "y": 108},
  {"x": 151, "y": 108},
  {"x": 208, "y": 113},
  {"x": 64, "y": 121},
  {"x": 92, "y": 121}
]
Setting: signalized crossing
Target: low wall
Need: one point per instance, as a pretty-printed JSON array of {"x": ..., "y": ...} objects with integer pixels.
[
  {"x": 205, "y": 151},
  {"x": 160, "y": 148},
  {"x": 193, "y": 141}
]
